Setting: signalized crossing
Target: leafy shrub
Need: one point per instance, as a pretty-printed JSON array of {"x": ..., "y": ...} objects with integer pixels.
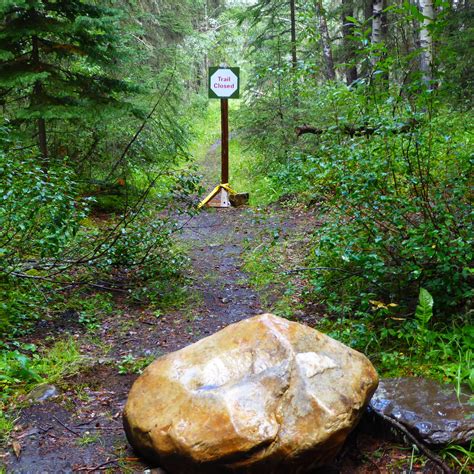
[
  {"x": 405, "y": 346},
  {"x": 39, "y": 213},
  {"x": 50, "y": 240},
  {"x": 398, "y": 215}
]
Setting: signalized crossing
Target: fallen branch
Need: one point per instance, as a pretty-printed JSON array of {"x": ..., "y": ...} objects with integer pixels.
[
  {"x": 66, "y": 427},
  {"x": 141, "y": 127},
  {"x": 353, "y": 131},
  {"x": 100, "y": 467},
  {"x": 422, "y": 447}
]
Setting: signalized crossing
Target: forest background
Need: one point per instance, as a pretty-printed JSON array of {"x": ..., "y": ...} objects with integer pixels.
[{"x": 360, "y": 110}]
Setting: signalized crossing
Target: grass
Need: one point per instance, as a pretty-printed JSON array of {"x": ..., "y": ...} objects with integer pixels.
[
  {"x": 206, "y": 131},
  {"x": 62, "y": 359},
  {"x": 88, "y": 438},
  {"x": 28, "y": 367},
  {"x": 266, "y": 264},
  {"x": 6, "y": 426},
  {"x": 21, "y": 373},
  {"x": 244, "y": 177},
  {"x": 129, "y": 364},
  {"x": 462, "y": 458}
]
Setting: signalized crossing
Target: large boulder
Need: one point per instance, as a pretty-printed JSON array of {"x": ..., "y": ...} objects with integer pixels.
[{"x": 264, "y": 395}]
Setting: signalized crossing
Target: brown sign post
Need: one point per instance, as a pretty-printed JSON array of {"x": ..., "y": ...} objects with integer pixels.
[
  {"x": 224, "y": 141},
  {"x": 224, "y": 84}
]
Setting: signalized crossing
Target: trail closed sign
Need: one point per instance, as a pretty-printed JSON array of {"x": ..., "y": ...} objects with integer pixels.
[{"x": 224, "y": 83}]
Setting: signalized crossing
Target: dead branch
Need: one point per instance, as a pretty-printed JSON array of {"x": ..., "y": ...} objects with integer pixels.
[
  {"x": 353, "y": 131},
  {"x": 421, "y": 446}
]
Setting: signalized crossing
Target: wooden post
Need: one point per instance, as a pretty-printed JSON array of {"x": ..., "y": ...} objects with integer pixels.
[{"x": 225, "y": 141}]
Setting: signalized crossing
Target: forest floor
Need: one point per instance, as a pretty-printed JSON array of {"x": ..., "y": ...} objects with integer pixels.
[{"x": 80, "y": 430}]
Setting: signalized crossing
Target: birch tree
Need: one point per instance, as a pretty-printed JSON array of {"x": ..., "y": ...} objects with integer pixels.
[
  {"x": 325, "y": 41},
  {"x": 426, "y": 40},
  {"x": 377, "y": 9}
]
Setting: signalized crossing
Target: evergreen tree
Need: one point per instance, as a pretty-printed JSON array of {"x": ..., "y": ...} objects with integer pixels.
[{"x": 58, "y": 61}]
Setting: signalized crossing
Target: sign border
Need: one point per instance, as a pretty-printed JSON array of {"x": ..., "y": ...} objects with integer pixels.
[{"x": 212, "y": 94}]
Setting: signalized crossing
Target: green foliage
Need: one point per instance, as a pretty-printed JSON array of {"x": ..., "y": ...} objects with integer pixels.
[
  {"x": 403, "y": 202},
  {"x": 60, "y": 56},
  {"x": 6, "y": 426},
  {"x": 391, "y": 178},
  {"x": 424, "y": 310},
  {"x": 18, "y": 306},
  {"x": 113, "y": 147},
  {"x": 130, "y": 364},
  {"x": 400, "y": 347},
  {"x": 39, "y": 213},
  {"x": 396, "y": 344},
  {"x": 88, "y": 438},
  {"x": 26, "y": 366},
  {"x": 93, "y": 308},
  {"x": 455, "y": 29},
  {"x": 462, "y": 456}
]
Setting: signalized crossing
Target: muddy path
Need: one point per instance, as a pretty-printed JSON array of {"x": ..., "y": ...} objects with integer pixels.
[{"x": 80, "y": 429}]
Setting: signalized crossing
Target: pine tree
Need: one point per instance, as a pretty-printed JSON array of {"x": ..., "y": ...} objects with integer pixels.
[{"x": 58, "y": 61}]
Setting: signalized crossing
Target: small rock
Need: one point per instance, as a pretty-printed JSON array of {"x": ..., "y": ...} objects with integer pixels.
[
  {"x": 239, "y": 199},
  {"x": 43, "y": 392},
  {"x": 430, "y": 411}
]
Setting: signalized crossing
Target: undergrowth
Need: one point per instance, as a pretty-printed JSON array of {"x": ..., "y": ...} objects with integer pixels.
[
  {"x": 24, "y": 366},
  {"x": 398, "y": 345}
]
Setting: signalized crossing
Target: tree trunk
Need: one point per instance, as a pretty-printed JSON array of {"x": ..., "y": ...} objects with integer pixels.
[
  {"x": 377, "y": 32},
  {"x": 325, "y": 41},
  {"x": 368, "y": 10},
  {"x": 293, "y": 33},
  {"x": 36, "y": 99},
  {"x": 348, "y": 44},
  {"x": 426, "y": 40}
]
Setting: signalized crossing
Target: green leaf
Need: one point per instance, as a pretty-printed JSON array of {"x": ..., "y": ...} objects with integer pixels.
[{"x": 424, "y": 310}]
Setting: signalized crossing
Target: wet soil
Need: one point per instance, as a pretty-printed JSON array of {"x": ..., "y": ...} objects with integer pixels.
[{"x": 81, "y": 429}]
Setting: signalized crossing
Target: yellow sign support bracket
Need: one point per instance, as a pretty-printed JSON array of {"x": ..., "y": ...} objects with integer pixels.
[{"x": 215, "y": 192}]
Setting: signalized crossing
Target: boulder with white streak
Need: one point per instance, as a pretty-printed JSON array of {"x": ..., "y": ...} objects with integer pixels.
[{"x": 264, "y": 395}]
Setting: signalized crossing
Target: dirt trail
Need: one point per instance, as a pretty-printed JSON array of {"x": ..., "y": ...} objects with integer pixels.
[{"x": 81, "y": 430}]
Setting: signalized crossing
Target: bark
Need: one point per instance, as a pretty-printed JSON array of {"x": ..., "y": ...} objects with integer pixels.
[
  {"x": 377, "y": 9},
  {"x": 368, "y": 12},
  {"x": 426, "y": 40},
  {"x": 293, "y": 33},
  {"x": 325, "y": 41},
  {"x": 348, "y": 44},
  {"x": 355, "y": 131},
  {"x": 36, "y": 99},
  {"x": 379, "y": 32}
]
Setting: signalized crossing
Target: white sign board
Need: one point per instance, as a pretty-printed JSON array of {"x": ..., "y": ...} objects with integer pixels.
[{"x": 224, "y": 83}]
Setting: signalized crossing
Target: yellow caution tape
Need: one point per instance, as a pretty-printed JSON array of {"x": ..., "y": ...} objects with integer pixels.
[{"x": 225, "y": 186}]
